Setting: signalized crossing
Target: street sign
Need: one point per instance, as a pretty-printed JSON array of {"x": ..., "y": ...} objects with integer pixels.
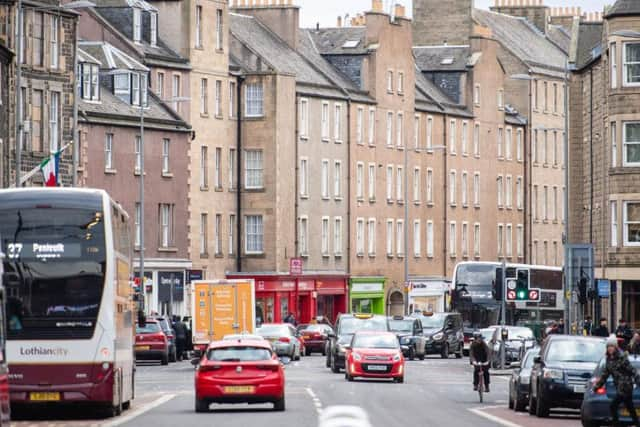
[
  {"x": 295, "y": 266},
  {"x": 534, "y": 294},
  {"x": 604, "y": 288}
]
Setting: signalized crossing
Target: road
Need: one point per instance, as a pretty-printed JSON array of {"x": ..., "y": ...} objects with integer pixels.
[{"x": 436, "y": 392}]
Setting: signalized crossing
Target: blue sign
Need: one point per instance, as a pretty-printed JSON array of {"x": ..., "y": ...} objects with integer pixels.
[{"x": 604, "y": 288}]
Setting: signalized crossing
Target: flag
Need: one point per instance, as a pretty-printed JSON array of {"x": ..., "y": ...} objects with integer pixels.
[{"x": 49, "y": 168}]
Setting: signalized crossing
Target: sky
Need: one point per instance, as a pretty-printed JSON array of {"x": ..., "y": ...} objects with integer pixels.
[{"x": 326, "y": 11}]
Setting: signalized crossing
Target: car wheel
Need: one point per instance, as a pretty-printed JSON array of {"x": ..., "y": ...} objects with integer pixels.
[
  {"x": 532, "y": 404},
  {"x": 542, "y": 409},
  {"x": 459, "y": 352},
  {"x": 412, "y": 353},
  {"x": 445, "y": 351},
  {"x": 202, "y": 405},
  {"x": 399, "y": 380},
  {"x": 307, "y": 352},
  {"x": 519, "y": 404},
  {"x": 586, "y": 423},
  {"x": 165, "y": 359},
  {"x": 511, "y": 404},
  {"x": 347, "y": 376},
  {"x": 279, "y": 405},
  {"x": 334, "y": 367},
  {"x": 328, "y": 362}
]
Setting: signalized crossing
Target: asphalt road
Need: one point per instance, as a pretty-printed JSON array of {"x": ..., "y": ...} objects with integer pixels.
[{"x": 436, "y": 392}]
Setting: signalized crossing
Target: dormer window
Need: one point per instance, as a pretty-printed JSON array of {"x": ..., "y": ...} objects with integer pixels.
[
  {"x": 137, "y": 25},
  {"x": 89, "y": 85},
  {"x": 131, "y": 87},
  {"x": 154, "y": 28}
]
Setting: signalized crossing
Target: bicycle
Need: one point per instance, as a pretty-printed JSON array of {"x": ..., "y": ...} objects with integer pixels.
[{"x": 481, "y": 379}]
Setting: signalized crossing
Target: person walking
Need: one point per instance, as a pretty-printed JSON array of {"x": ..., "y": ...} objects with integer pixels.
[
  {"x": 601, "y": 330},
  {"x": 634, "y": 344},
  {"x": 291, "y": 319},
  {"x": 624, "y": 376},
  {"x": 181, "y": 337},
  {"x": 560, "y": 327},
  {"x": 587, "y": 326},
  {"x": 624, "y": 333}
]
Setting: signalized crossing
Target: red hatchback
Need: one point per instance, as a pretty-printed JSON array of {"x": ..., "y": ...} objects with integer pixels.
[
  {"x": 151, "y": 342},
  {"x": 239, "y": 371},
  {"x": 374, "y": 355}
]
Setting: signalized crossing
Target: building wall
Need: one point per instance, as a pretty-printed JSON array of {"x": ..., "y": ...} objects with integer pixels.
[
  {"x": 5, "y": 60},
  {"x": 452, "y": 24}
]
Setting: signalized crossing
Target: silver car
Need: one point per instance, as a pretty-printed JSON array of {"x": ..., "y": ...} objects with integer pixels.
[{"x": 284, "y": 339}]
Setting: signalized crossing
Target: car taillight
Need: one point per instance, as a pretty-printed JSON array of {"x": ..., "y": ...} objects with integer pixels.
[
  {"x": 273, "y": 368},
  {"x": 208, "y": 368},
  {"x": 317, "y": 336},
  {"x": 284, "y": 339},
  {"x": 601, "y": 391},
  {"x": 158, "y": 337}
]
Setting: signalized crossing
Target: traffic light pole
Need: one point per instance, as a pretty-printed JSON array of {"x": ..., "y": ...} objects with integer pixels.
[{"x": 504, "y": 313}]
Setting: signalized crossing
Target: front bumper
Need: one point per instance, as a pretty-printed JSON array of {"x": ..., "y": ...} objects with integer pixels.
[
  {"x": 266, "y": 389},
  {"x": 315, "y": 345},
  {"x": 433, "y": 347},
  {"x": 560, "y": 395},
  {"x": 339, "y": 360},
  {"x": 596, "y": 408},
  {"x": 361, "y": 369},
  {"x": 283, "y": 348}
]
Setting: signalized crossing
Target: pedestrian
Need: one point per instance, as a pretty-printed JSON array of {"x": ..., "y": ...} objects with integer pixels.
[
  {"x": 587, "y": 326},
  {"x": 601, "y": 330},
  {"x": 634, "y": 345},
  {"x": 560, "y": 327},
  {"x": 290, "y": 319},
  {"x": 187, "y": 323},
  {"x": 181, "y": 337},
  {"x": 624, "y": 333},
  {"x": 624, "y": 376}
]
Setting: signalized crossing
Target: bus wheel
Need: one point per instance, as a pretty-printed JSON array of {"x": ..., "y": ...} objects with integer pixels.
[{"x": 117, "y": 410}]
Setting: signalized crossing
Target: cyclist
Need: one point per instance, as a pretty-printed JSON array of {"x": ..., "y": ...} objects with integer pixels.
[{"x": 479, "y": 353}]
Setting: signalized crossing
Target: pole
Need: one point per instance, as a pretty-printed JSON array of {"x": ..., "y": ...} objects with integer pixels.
[
  {"x": 503, "y": 304},
  {"x": 19, "y": 100},
  {"x": 567, "y": 284},
  {"x": 76, "y": 149},
  {"x": 406, "y": 225},
  {"x": 141, "y": 184}
]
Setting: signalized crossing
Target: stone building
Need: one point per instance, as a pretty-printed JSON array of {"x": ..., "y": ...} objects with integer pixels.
[{"x": 6, "y": 57}]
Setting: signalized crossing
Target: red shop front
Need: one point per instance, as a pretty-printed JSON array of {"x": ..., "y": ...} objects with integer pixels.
[{"x": 307, "y": 297}]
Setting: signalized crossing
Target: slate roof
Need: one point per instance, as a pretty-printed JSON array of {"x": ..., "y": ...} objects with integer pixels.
[
  {"x": 623, "y": 8},
  {"x": 589, "y": 44},
  {"x": 560, "y": 37},
  {"x": 524, "y": 40},
  {"x": 109, "y": 56},
  {"x": 441, "y": 58},
  {"x": 428, "y": 95},
  {"x": 331, "y": 41}
]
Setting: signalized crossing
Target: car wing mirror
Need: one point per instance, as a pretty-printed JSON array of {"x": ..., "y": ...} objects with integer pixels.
[
  {"x": 537, "y": 359},
  {"x": 331, "y": 335},
  {"x": 195, "y": 361},
  {"x": 285, "y": 360}
]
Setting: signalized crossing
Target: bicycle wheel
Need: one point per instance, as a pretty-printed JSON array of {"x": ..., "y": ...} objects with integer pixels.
[{"x": 480, "y": 385}]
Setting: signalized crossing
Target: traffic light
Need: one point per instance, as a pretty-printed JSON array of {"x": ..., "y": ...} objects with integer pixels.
[
  {"x": 522, "y": 285},
  {"x": 582, "y": 290},
  {"x": 498, "y": 286}
]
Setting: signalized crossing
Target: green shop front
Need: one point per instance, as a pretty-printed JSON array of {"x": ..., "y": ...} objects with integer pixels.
[{"x": 367, "y": 295}]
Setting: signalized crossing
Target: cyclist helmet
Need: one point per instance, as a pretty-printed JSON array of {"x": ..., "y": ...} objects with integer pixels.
[{"x": 477, "y": 335}]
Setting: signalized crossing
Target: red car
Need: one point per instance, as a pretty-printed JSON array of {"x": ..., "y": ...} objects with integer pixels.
[
  {"x": 315, "y": 338},
  {"x": 374, "y": 355},
  {"x": 239, "y": 371},
  {"x": 151, "y": 342}
]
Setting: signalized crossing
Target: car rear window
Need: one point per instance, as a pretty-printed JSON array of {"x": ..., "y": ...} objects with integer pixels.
[
  {"x": 351, "y": 325},
  {"x": 315, "y": 328},
  {"x": 401, "y": 325},
  {"x": 375, "y": 341},
  {"x": 149, "y": 328},
  {"x": 275, "y": 330},
  {"x": 239, "y": 354},
  {"x": 433, "y": 321},
  {"x": 575, "y": 351}
]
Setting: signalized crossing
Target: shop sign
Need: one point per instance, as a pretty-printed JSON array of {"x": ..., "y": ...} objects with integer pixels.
[
  {"x": 295, "y": 266},
  {"x": 367, "y": 287},
  {"x": 604, "y": 288},
  {"x": 305, "y": 285},
  {"x": 427, "y": 288},
  {"x": 193, "y": 275},
  {"x": 169, "y": 281}
]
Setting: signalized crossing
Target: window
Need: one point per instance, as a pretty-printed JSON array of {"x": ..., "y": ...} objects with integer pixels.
[
  {"x": 135, "y": 89},
  {"x": 509, "y": 240},
  {"x": 360, "y": 181},
  {"x": 37, "y": 38},
  {"x": 254, "y": 234},
  {"x": 22, "y": 41},
  {"x": 631, "y": 64},
  {"x": 507, "y": 144},
  {"x": 372, "y": 181},
  {"x": 360, "y": 236},
  {"x": 218, "y": 111},
  {"x": 519, "y": 193},
  {"x": 452, "y": 239},
  {"x": 400, "y": 237},
  {"x": 631, "y": 144},
  {"x": 324, "y": 183},
  {"x": 218, "y": 235},
  {"x": 389, "y": 237},
  {"x": 337, "y": 179},
  {"x": 54, "y": 42},
  {"x": 500, "y": 99},
  {"x": 545, "y": 203},
  {"x": 108, "y": 151},
  {"x": 452, "y": 188},
  {"x": 544, "y": 146},
  {"x": 138, "y": 218},
  {"x": 554, "y": 212},
  {"x": 416, "y": 184},
  {"x": 54, "y": 122},
  {"x": 416, "y": 132},
  {"x": 303, "y": 243},
  {"x": 337, "y": 123},
  {"x": 554, "y": 154},
  {"x": 534, "y": 203},
  {"x": 476, "y": 94},
  {"x": 372, "y": 236},
  {"x": 37, "y": 115},
  {"x": 166, "y": 144},
  {"x": 452, "y": 137},
  {"x": 198, "y": 26},
  {"x": 253, "y": 169},
  {"x": 476, "y": 139},
  {"x": 219, "y": 29},
  {"x": 372, "y": 126},
  {"x": 175, "y": 92},
  {"x": 304, "y": 177},
  {"x": 613, "y": 59},
  {"x": 337, "y": 236},
  {"x": 500, "y": 192},
  {"x": 390, "y": 81},
  {"x": 545, "y": 253},
  {"x": 508, "y": 188},
  {"x": 400, "y": 82},
  {"x": 614, "y": 223},
  {"x": 389, "y": 129},
  {"x": 400, "y": 130},
  {"x": 232, "y": 99},
  {"x": 324, "y": 236},
  {"x": 232, "y": 168},
  {"x": 534, "y": 146},
  {"x": 137, "y": 25},
  {"x": 534, "y": 254},
  {"x": 476, "y": 240},
  {"x": 204, "y": 225},
  {"x": 400, "y": 183},
  {"x": 464, "y": 136},
  {"x": 556, "y": 260},
  {"x": 204, "y": 101},
  {"x": 614, "y": 145},
  {"x": 359, "y": 119},
  {"x": 519, "y": 145},
  {"x": 254, "y": 100},
  {"x": 217, "y": 177},
  {"x": 476, "y": 189},
  {"x": 464, "y": 184},
  {"x": 389, "y": 183},
  {"x": 429, "y": 133},
  {"x": 544, "y": 94},
  {"x": 631, "y": 220},
  {"x": 160, "y": 85},
  {"x": 465, "y": 239},
  {"x": 166, "y": 225},
  {"x": 90, "y": 88},
  {"x": 232, "y": 227},
  {"x": 204, "y": 167},
  {"x": 555, "y": 97},
  {"x": 416, "y": 238},
  {"x": 500, "y": 239},
  {"x": 500, "y": 143},
  {"x": 429, "y": 186},
  {"x": 153, "y": 23},
  {"x": 520, "y": 241},
  {"x": 325, "y": 121},
  {"x": 430, "y": 239}
]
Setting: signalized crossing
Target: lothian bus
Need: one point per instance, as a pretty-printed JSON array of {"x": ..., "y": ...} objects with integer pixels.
[
  {"x": 70, "y": 311},
  {"x": 473, "y": 294}
]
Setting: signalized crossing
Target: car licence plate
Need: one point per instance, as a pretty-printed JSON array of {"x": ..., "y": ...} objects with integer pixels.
[
  {"x": 44, "y": 396},
  {"x": 239, "y": 389},
  {"x": 142, "y": 347},
  {"x": 377, "y": 368},
  {"x": 579, "y": 388}
]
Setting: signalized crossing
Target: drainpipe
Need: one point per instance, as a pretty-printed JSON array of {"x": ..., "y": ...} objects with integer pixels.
[
  {"x": 445, "y": 200},
  {"x": 239, "y": 81},
  {"x": 528, "y": 226},
  {"x": 590, "y": 156},
  {"x": 348, "y": 265}
]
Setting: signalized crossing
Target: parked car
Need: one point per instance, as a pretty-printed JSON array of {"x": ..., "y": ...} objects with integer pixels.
[
  {"x": 237, "y": 337},
  {"x": 519, "y": 382},
  {"x": 315, "y": 338},
  {"x": 245, "y": 372},
  {"x": 151, "y": 342},
  {"x": 443, "y": 333},
  {"x": 410, "y": 336},
  {"x": 374, "y": 355},
  {"x": 561, "y": 372},
  {"x": 346, "y": 326},
  {"x": 283, "y": 337},
  {"x": 165, "y": 324},
  {"x": 519, "y": 339}
]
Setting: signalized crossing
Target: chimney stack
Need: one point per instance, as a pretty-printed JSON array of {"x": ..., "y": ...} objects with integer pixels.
[
  {"x": 399, "y": 11},
  {"x": 281, "y": 16},
  {"x": 339, "y": 24},
  {"x": 533, "y": 10},
  {"x": 376, "y": 6}
]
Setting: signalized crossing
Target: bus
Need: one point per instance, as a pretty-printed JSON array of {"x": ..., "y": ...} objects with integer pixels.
[
  {"x": 70, "y": 309},
  {"x": 473, "y": 294}
]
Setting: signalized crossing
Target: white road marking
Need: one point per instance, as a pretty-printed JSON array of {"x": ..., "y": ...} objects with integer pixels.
[
  {"x": 136, "y": 413},
  {"x": 480, "y": 412},
  {"x": 316, "y": 401}
]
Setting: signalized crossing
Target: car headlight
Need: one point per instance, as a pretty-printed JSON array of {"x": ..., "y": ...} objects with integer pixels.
[
  {"x": 396, "y": 358},
  {"x": 525, "y": 380},
  {"x": 438, "y": 336},
  {"x": 405, "y": 340},
  {"x": 340, "y": 348},
  {"x": 554, "y": 374},
  {"x": 357, "y": 356}
]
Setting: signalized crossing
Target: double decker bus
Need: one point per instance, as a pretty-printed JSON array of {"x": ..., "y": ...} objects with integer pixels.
[
  {"x": 473, "y": 294},
  {"x": 70, "y": 310}
]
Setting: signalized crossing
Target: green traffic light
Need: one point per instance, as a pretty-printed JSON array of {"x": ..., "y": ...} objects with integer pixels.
[{"x": 522, "y": 295}]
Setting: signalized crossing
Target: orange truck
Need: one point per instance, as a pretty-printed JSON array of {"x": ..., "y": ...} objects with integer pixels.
[{"x": 222, "y": 307}]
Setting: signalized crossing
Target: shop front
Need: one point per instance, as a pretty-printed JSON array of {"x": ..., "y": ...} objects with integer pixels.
[
  {"x": 367, "y": 295},
  {"x": 427, "y": 295},
  {"x": 164, "y": 287}
]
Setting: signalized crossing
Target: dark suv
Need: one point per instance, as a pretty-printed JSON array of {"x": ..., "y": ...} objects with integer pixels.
[
  {"x": 561, "y": 373},
  {"x": 444, "y": 333},
  {"x": 409, "y": 332},
  {"x": 346, "y": 326}
]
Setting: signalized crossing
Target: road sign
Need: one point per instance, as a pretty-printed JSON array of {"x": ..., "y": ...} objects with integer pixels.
[
  {"x": 295, "y": 266},
  {"x": 604, "y": 288},
  {"x": 534, "y": 295}
]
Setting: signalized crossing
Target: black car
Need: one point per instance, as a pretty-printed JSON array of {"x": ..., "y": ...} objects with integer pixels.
[
  {"x": 519, "y": 382},
  {"x": 410, "y": 335},
  {"x": 346, "y": 326},
  {"x": 561, "y": 372},
  {"x": 443, "y": 333},
  {"x": 171, "y": 336}
]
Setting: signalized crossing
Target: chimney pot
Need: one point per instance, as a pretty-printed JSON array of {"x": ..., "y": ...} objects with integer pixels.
[
  {"x": 399, "y": 10},
  {"x": 339, "y": 21},
  {"x": 376, "y": 5}
]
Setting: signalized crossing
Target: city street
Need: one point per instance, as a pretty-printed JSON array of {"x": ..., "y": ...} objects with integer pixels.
[{"x": 435, "y": 393}]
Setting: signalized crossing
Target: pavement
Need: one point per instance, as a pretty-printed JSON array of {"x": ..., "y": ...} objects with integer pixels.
[{"x": 436, "y": 393}]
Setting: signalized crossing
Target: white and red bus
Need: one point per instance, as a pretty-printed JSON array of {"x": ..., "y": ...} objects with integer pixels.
[{"x": 70, "y": 311}]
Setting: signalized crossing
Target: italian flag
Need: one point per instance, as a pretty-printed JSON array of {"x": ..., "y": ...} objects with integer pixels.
[{"x": 49, "y": 168}]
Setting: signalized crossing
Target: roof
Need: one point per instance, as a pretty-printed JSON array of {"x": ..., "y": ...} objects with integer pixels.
[
  {"x": 430, "y": 98},
  {"x": 109, "y": 56},
  {"x": 441, "y": 58},
  {"x": 560, "y": 37},
  {"x": 232, "y": 343},
  {"x": 141, "y": 4},
  {"x": 623, "y": 8},
  {"x": 589, "y": 47},
  {"x": 340, "y": 41},
  {"x": 523, "y": 40}
]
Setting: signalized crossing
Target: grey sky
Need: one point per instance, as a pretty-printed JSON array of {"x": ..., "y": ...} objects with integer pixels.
[{"x": 326, "y": 11}]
